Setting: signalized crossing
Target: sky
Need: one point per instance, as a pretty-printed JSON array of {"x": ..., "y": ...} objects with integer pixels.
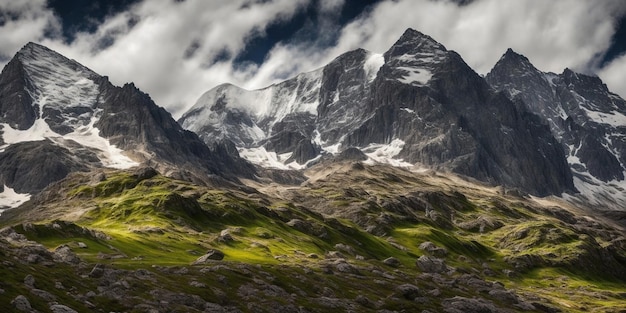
[{"x": 175, "y": 50}]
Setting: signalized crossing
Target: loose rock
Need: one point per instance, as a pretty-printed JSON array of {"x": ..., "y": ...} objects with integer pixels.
[
  {"x": 29, "y": 281},
  {"x": 391, "y": 261},
  {"x": 212, "y": 254},
  {"x": 21, "y": 303},
  {"x": 97, "y": 271},
  {"x": 408, "y": 291},
  {"x": 58, "y": 308},
  {"x": 430, "y": 264},
  {"x": 433, "y": 249}
]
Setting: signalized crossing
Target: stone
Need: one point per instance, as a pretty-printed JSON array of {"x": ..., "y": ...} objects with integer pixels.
[
  {"x": 29, "y": 281},
  {"x": 504, "y": 296},
  {"x": 334, "y": 255},
  {"x": 345, "y": 248},
  {"x": 43, "y": 294},
  {"x": 225, "y": 236},
  {"x": 391, "y": 261},
  {"x": 408, "y": 291},
  {"x": 429, "y": 264},
  {"x": 82, "y": 245},
  {"x": 21, "y": 303},
  {"x": 211, "y": 255},
  {"x": 433, "y": 249},
  {"x": 463, "y": 305},
  {"x": 64, "y": 254},
  {"x": 97, "y": 271},
  {"x": 197, "y": 284},
  {"x": 363, "y": 300}
]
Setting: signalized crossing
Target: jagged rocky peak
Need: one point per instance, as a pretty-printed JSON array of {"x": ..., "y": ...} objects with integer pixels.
[
  {"x": 418, "y": 103},
  {"x": 584, "y": 116},
  {"x": 413, "y": 42},
  {"x": 513, "y": 63},
  {"x": 36, "y": 57},
  {"x": 54, "y": 108}
]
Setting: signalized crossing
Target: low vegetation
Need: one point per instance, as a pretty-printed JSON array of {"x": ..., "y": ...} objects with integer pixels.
[{"x": 351, "y": 238}]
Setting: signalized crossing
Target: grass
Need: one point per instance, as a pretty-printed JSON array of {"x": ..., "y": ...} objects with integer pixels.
[{"x": 162, "y": 222}]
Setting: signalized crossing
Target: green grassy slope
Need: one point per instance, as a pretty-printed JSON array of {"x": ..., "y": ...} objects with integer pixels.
[{"x": 318, "y": 246}]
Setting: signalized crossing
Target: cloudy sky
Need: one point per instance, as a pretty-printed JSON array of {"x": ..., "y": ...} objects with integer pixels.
[{"x": 175, "y": 50}]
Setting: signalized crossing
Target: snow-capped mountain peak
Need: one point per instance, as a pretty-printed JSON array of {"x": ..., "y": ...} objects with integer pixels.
[
  {"x": 64, "y": 91},
  {"x": 417, "y": 103},
  {"x": 587, "y": 120},
  {"x": 64, "y": 96},
  {"x": 57, "y": 117}
]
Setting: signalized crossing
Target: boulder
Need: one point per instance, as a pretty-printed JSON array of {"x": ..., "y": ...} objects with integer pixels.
[
  {"x": 391, "y": 261},
  {"x": 408, "y": 291},
  {"x": 29, "y": 281},
  {"x": 64, "y": 254},
  {"x": 211, "y": 255},
  {"x": 429, "y": 264},
  {"x": 97, "y": 271},
  {"x": 433, "y": 249},
  {"x": 464, "y": 305},
  {"x": 21, "y": 303}
]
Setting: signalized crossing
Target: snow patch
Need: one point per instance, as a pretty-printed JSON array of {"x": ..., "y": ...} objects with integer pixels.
[
  {"x": 415, "y": 76},
  {"x": 614, "y": 118},
  {"x": 606, "y": 195},
  {"x": 110, "y": 156},
  {"x": 86, "y": 135},
  {"x": 385, "y": 153},
  {"x": 333, "y": 149},
  {"x": 269, "y": 105},
  {"x": 269, "y": 159},
  {"x": 38, "y": 132},
  {"x": 11, "y": 199}
]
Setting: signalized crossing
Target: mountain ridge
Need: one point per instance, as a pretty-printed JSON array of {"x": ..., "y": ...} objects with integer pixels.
[
  {"x": 397, "y": 115},
  {"x": 584, "y": 116},
  {"x": 79, "y": 116},
  {"x": 186, "y": 225}
]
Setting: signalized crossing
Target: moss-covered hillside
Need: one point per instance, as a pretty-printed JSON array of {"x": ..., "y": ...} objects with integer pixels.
[{"x": 351, "y": 238}]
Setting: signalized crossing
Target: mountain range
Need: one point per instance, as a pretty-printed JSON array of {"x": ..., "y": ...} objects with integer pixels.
[
  {"x": 394, "y": 182},
  {"x": 420, "y": 105}
]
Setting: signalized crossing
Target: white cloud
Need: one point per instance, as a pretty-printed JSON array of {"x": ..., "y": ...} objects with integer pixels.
[
  {"x": 553, "y": 34},
  {"x": 148, "y": 43},
  {"x": 24, "y": 21},
  {"x": 176, "y": 51},
  {"x": 614, "y": 75}
]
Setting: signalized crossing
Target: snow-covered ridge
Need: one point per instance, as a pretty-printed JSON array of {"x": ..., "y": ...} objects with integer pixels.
[
  {"x": 264, "y": 107},
  {"x": 62, "y": 86}
]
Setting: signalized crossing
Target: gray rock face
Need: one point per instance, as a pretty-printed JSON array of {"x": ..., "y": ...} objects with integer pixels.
[
  {"x": 16, "y": 104},
  {"x": 40, "y": 86},
  {"x": 31, "y": 166},
  {"x": 418, "y": 99},
  {"x": 587, "y": 119}
]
